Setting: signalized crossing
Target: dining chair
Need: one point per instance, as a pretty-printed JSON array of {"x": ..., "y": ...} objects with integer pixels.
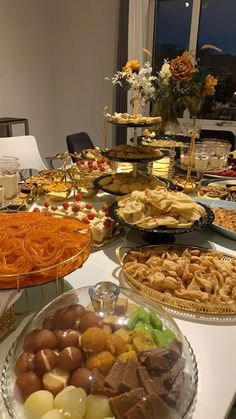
[
  {"x": 26, "y": 149},
  {"x": 78, "y": 142}
]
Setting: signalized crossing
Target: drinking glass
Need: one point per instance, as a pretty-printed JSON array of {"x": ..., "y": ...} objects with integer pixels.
[{"x": 9, "y": 174}]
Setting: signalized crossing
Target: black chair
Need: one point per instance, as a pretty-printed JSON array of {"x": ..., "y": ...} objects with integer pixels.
[
  {"x": 78, "y": 142},
  {"x": 218, "y": 134}
]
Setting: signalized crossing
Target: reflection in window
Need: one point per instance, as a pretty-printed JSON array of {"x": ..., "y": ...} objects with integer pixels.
[
  {"x": 172, "y": 29},
  {"x": 217, "y": 27}
]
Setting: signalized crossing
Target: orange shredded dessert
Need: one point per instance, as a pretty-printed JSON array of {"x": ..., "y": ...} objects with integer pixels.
[{"x": 44, "y": 245}]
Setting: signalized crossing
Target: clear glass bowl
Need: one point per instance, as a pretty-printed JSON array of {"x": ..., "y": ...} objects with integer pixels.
[
  {"x": 66, "y": 265},
  {"x": 169, "y": 380}
]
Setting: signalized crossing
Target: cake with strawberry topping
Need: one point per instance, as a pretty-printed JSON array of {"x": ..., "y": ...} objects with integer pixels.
[
  {"x": 101, "y": 225},
  {"x": 85, "y": 171}
]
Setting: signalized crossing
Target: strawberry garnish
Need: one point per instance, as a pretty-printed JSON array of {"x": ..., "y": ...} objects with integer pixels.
[
  {"x": 89, "y": 206},
  {"x": 75, "y": 208},
  {"x": 85, "y": 220},
  {"x": 107, "y": 223},
  {"x": 36, "y": 209},
  {"x": 65, "y": 205},
  {"x": 54, "y": 208},
  {"x": 90, "y": 216},
  {"x": 46, "y": 204},
  {"x": 78, "y": 197}
]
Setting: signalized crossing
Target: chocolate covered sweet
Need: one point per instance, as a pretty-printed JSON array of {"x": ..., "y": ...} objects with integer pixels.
[
  {"x": 82, "y": 377},
  {"x": 150, "y": 407},
  {"x": 24, "y": 363},
  {"x": 70, "y": 358},
  {"x": 67, "y": 338},
  {"x": 45, "y": 360},
  {"x": 26, "y": 384},
  {"x": 40, "y": 339},
  {"x": 122, "y": 403},
  {"x": 89, "y": 319}
]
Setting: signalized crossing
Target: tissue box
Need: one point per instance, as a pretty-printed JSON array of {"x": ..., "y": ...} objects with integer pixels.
[{"x": 7, "y": 321}]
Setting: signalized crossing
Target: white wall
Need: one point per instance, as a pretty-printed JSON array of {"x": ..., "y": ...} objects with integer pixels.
[{"x": 54, "y": 56}]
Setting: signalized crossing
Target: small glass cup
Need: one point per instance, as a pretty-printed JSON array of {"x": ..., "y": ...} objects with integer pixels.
[{"x": 9, "y": 176}]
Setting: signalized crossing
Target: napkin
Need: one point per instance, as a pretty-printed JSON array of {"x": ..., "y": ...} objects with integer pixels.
[{"x": 7, "y": 299}]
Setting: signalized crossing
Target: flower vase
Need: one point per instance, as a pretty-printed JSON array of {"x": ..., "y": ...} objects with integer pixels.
[{"x": 169, "y": 123}]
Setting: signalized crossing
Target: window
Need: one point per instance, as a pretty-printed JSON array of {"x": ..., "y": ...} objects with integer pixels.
[{"x": 194, "y": 24}]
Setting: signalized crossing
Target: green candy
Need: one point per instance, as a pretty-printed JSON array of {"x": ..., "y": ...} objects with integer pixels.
[
  {"x": 155, "y": 321},
  {"x": 138, "y": 315},
  {"x": 163, "y": 338},
  {"x": 145, "y": 327},
  {"x": 133, "y": 319}
]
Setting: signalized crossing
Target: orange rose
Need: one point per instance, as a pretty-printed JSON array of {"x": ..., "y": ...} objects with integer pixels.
[
  {"x": 210, "y": 83},
  {"x": 182, "y": 67},
  {"x": 132, "y": 66}
]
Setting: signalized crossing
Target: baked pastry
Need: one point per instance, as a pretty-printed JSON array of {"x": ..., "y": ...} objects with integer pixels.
[{"x": 124, "y": 183}]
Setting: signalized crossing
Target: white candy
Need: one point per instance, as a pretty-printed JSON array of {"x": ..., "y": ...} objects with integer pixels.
[
  {"x": 73, "y": 401},
  {"x": 97, "y": 407},
  {"x": 38, "y": 403},
  {"x": 53, "y": 414}
]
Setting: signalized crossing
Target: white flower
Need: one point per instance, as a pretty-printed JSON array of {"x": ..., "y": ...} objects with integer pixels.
[{"x": 165, "y": 73}]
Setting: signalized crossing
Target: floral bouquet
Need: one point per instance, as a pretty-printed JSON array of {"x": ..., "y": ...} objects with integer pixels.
[
  {"x": 139, "y": 79},
  {"x": 180, "y": 84}
]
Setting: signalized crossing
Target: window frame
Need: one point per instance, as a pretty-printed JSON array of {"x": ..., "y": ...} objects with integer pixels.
[{"x": 195, "y": 20}]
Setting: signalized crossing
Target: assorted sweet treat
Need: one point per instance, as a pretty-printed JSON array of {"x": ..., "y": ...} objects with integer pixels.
[
  {"x": 101, "y": 225},
  {"x": 126, "y": 118},
  {"x": 231, "y": 172},
  {"x": 26, "y": 187},
  {"x": 161, "y": 142},
  {"x": 56, "y": 175},
  {"x": 84, "y": 172},
  {"x": 128, "y": 152},
  {"x": 79, "y": 365},
  {"x": 159, "y": 208},
  {"x": 37, "y": 180},
  {"x": 93, "y": 154},
  {"x": 125, "y": 183},
  {"x": 225, "y": 218},
  {"x": 57, "y": 186},
  {"x": 214, "y": 191},
  {"x": 190, "y": 274},
  {"x": 35, "y": 247}
]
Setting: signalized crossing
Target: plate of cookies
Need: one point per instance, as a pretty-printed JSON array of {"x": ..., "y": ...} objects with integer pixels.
[
  {"x": 139, "y": 154},
  {"x": 120, "y": 184}
]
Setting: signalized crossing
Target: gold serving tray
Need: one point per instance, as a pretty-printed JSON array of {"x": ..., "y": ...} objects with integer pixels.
[{"x": 169, "y": 300}]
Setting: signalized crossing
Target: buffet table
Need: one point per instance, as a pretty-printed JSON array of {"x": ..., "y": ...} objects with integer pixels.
[{"x": 213, "y": 344}]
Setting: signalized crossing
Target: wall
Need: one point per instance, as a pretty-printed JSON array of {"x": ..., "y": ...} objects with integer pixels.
[{"x": 54, "y": 55}]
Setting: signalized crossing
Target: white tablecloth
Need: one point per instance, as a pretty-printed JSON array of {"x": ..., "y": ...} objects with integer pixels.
[{"x": 213, "y": 345}]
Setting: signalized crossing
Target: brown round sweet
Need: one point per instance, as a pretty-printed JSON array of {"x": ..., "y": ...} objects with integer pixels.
[
  {"x": 48, "y": 323},
  {"x": 65, "y": 318},
  {"x": 103, "y": 361},
  {"x": 89, "y": 319},
  {"x": 27, "y": 384},
  {"x": 24, "y": 363},
  {"x": 55, "y": 380},
  {"x": 44, "y": 339},
  {"x": 93, "y": 340},
  {"x": 82, "y": 377},
  {"x": 45, "y": 360},
  {"x": 115, "y": 344},
  {"x": 70, "y": 358},
  {"x": 28, "y": 344},
  {"x": 67, "y": 338}
]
